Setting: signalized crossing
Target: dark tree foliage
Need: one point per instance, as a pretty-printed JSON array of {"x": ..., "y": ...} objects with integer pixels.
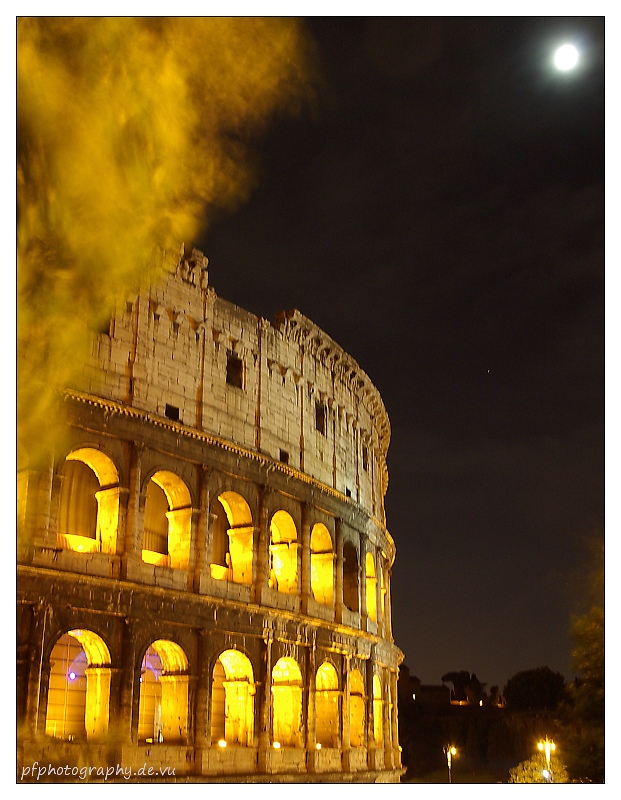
[
  {"x": 585, "y": 706},
  {"x": 535, "y": 690}
]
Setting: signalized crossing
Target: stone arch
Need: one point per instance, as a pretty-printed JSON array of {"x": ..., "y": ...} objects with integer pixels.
[
  {"x": 167, "y": 521},
  {"x": 163, "y": 706},
  {"x": 283, "y": 553},
  {"x": 232, "y": 700},
  {"x": 377, "y": 710},
  {"x": 232, "y": 540},
  {"x": 88, "y": 515},
  {"x": 322, "y": 564},
  {"x": 287, "y": 703},
  {"x": 327, "y": 709},
  {"x": 79, "y": 687},
  {"x": 351, "y": 593},
  {"x": 356, "y": 709},
  {"x": 371, "y": 586}
]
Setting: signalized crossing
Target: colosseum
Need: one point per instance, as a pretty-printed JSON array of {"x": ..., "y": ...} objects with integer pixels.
[{"x": 204, "y": 565}]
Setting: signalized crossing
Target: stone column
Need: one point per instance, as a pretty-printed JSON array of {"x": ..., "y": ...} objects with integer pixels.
[
  {"x": 122, "y": 525},
  {"x": 49, "y": 526},
  {"x": 262, "y": 543},
  {"x": 362, "y": 580},
  {"x": 311, "y": 725},
  {"x": 202, "y": 733},
  {"x": 394, "y": 720},
  {"x": 203, "y": 534},
  {"x": 345, "y": 715},
  {"x": 130, "y": 683},
  {"x": 115, "y": 723},
  {"x": 387, "y": 630},
  {"x": 135, "y": 510},
  {"x": 38, "y": 671},
  {"x": 370, "y": 716},
  {"x": 265, "y": 706},
  {"x": 386, "y": 727},
  {"x": 338, "y": 585},
  {"x": 379, "y": 571},
  {"x": 33, "y": 506},
  {"x": 306, "y": 590},
  {"x": 204, "y": 529}
]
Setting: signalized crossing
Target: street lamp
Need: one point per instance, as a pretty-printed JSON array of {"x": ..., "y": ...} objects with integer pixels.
[
  {"x": 547, "y": 746},
  {"x": 450, "y": 751}
]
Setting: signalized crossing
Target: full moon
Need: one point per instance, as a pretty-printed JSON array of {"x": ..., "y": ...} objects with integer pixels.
[{"x": 566, "y": 57}]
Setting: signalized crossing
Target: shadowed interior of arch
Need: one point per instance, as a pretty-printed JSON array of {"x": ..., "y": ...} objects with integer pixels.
[
  {"x": 232, "y": 539},
  {"x": 283, "y": 553},
  {"x": 327, "y": 705},
  {"x": 79, "y": 687},
  {"x": 164, "y": 682},
  {"x": 232, "y": 700},
  {"x": 322, "y": 565},
  {"x": 167, "y": 521},
  {"x": 287, "y": 703},
  {"x": 88, "y": 514}
]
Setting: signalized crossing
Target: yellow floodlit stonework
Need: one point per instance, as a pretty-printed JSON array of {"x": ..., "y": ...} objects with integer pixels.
[{"x": 203, "y": 561}]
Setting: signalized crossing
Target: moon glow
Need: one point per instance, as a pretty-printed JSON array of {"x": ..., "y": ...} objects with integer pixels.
[{"x": 566, "y": 57}]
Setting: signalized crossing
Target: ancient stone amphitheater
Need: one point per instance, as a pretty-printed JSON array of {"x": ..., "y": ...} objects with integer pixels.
[{"x": 204, "y": 565}]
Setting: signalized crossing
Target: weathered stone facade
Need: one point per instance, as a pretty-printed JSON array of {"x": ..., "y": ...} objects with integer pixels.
[{"x": 204, "y": 570}]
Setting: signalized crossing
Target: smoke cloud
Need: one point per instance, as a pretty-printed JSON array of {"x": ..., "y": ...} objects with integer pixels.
[{"x": 131, "y": 131}]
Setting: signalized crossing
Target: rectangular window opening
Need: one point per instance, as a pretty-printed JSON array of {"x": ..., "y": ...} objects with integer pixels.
[
  {"x": 234, "y": 371},
  {"x": 365, "y": 457},
  {"x": 172, "y": 412},
  {"x": 284, "y": 456},
  {"x": 320, "y": 418}
]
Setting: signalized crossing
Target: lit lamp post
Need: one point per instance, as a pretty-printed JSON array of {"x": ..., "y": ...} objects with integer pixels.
[
  {"x": 547, "y": 747},
  {"x": 450, "y": 751}
]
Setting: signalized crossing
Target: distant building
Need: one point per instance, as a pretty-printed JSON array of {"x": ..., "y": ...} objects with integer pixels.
[
  {"x": 412, "y": 691},
  {"x": 204, "y": 564}
]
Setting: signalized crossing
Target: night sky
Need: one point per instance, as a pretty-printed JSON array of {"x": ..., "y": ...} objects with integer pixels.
[{"x": 438, "y": 210}]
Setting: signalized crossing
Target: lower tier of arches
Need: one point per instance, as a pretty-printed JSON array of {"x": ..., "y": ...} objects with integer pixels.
[{"x": 114, "y": 673}]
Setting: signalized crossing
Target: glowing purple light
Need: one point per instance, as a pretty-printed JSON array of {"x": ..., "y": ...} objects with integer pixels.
[{"x": 72, "y": 676}]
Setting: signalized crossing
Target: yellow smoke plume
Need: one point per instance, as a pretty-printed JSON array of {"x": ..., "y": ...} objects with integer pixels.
[{"x": 130, "y": 132}]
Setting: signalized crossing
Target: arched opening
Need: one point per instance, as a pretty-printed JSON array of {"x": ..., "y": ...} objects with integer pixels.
[
  {"x": 163, "y": 711},
  {"x": 79, "y": 687},
  {"x": 356, "y": 709},
  {"x": 322, "y": 565},
  {"x": 327, "y": 706},
  {"x": 283, "y": 553},
  {"x": 377, "y": 710},
  {"x": 232, "y": 700},
  {"x": 232, "y": 539},
  {"x": 167, "y": 521},
  {"x": 371, "y": 587},
  {"x": 220, "y": 552},
  {"x": 88, "y": 515},
  {"x": 287, "y": 703},
  {"x": 350, "y": 577}
]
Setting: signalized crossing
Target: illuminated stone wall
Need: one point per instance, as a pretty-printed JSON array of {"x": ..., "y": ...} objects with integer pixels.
[
  {"x": 170, "y": 347},
  {"x": 204, "y": 567}
]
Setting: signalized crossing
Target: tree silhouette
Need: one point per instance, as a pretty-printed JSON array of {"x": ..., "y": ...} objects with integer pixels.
[
  {"x": 585, "y": 705},
  {"x": 535, "y": 690}
]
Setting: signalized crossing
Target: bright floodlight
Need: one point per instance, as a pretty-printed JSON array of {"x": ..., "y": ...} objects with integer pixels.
[{"x": 566, "y": 57}]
